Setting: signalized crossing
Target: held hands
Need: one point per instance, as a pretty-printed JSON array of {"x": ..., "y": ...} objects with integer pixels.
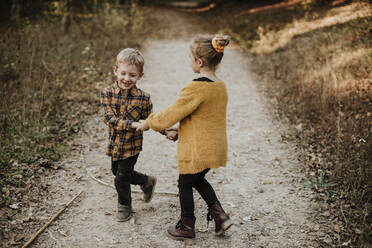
[
  {"x": 171, "y": 134},
  {"x": 141, "y": 125}
]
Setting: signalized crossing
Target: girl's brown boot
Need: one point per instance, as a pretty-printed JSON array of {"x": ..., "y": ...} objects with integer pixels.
[
  {"x": 221, "y": 219},
  {"x": 184, "y": 229}
]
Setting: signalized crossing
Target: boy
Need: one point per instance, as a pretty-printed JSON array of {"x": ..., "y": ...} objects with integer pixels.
[{"x": 123, "y": 105}]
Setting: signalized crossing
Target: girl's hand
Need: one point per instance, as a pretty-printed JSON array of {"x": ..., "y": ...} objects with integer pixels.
[
  {"x": 171, "y": 135},
  {"x": 141, "y": 125},
  {"x": 173, "y": 128}
]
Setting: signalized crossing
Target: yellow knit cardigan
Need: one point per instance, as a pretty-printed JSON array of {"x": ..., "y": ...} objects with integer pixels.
[{"x": 201, "y": 111}]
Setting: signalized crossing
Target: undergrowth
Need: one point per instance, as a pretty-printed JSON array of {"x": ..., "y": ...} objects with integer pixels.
[
  {"x": 51, "y": 73},
  {"x": 317, "y": 60}
]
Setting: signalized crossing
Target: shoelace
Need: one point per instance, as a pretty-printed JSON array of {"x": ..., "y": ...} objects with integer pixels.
[{"x": 180, "y": 225}]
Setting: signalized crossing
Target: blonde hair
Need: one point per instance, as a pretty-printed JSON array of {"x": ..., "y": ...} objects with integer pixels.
[
  {"x": 131, "y": 56},
  {"x": 209, "y": 48}
]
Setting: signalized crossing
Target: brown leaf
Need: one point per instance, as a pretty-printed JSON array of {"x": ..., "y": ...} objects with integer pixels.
[
  {"x": 153, "y": 244},
  {"x": 19, "y": 237},
  {"x": 337, "y": 236},
  {"x": 18, "y": 176},
  {"x": 336, "y": 227}
]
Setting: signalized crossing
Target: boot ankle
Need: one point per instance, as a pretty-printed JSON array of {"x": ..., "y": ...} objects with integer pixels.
[
  {"x": 184, "y": 229},
  {"x": 221, "y": 219}
]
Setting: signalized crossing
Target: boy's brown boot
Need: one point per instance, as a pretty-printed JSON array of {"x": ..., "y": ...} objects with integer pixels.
[
  {"x": 124, "y": 212},
  {"x": 148, "y": 188},
  {"x": 221, "y": 219},
  {"x": 184, "y": 229}
]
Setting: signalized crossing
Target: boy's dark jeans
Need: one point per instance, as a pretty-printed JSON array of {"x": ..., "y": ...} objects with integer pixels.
[
  {"x": 185, "y": 184},
  {"x": 125, "y": 175}
]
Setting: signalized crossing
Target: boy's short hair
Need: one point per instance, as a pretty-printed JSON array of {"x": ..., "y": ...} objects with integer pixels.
[{"x": 131, "y": 56}]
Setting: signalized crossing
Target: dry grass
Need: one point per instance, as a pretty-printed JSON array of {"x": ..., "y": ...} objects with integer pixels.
[
  {"x": 272, "y": 40},
  {"x": 50, "y": 84},
  {"x": 318, "y": 64}
]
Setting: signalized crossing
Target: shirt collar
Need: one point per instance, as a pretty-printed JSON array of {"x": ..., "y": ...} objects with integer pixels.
[
  {"x": 133, "y": 91},
  {"x": 203, "y": 79}
]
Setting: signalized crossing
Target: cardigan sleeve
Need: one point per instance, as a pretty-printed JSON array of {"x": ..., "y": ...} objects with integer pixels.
[{"x": 187, "y": 102}]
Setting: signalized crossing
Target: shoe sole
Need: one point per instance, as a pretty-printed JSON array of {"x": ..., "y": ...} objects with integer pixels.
[
  {"x": 152, "y": 192},
  {"x": 124, "y": 220},
  {"x": 178, "y": 238},
  {"x": 226, "y": 225}
]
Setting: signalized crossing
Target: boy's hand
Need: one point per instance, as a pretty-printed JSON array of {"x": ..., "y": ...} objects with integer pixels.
[
  {"x": 141, "y": 125},
  {"x": 171, "y": 135},
  {"x": 135, "y": 125}
]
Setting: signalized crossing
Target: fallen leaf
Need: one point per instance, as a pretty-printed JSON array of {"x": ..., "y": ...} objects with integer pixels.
[
  {"x": 326, "y": 214},
  {"x": 19, "y": 237},
  {"x": 15, "y": 205},
  {"x": 18, "y": 176},
  {"x": 337, "y": 236},
  {"x": 27, "y": 219},
  {"x": 337, "y": 228},
  {"x": 153, "y": 244},
  {"x": 108, "y": 213}
]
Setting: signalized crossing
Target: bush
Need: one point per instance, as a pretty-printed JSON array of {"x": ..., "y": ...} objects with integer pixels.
[
  {"x": 50, "y": 80},
  {"x": 318, "y": 60}
]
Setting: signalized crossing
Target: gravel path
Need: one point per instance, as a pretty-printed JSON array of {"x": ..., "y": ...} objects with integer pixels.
[{"x": 259, "y": 188}]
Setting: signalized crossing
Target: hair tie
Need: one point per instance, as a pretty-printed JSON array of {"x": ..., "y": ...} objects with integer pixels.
[{"x": 216, "y": 47}]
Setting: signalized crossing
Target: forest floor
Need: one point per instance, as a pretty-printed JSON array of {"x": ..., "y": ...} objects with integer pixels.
[{"x": 261, "y": 187}]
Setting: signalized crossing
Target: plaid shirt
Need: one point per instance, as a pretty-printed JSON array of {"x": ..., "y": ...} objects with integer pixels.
[{"x": 118, "y": 114}]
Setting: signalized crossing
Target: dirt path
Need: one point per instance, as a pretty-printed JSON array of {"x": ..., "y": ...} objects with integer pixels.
[{"x": 259, "y": 187}]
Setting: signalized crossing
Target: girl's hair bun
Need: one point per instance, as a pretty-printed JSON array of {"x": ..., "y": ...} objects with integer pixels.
[
  {"x": 210, "y": 48},
  {"x": 219, "y": 42},
  {"x": 222, "y": 40}
]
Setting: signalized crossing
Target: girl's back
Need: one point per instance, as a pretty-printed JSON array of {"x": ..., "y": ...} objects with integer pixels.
[{"x": 202, "y": 134}]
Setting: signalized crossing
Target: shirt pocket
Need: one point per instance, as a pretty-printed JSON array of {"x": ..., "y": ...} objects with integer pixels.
[
  {"x": 115, "y": 109},
  {"x": 133, "y": 112}
]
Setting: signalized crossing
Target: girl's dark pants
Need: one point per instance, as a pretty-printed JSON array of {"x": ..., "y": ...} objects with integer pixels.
[
  {"x": 125, "y": 175},
  {"x": 185, "y": 184}
]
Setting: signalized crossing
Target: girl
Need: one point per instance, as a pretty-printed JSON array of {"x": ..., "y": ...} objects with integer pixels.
[{"x": 201, "y": 111}]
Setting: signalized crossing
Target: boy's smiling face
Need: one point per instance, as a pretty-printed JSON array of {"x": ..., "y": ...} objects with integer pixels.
[{"x": 127, "y": 75}]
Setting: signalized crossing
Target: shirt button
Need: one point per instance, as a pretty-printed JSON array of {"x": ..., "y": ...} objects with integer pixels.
[{"x": 121, "y": 113}]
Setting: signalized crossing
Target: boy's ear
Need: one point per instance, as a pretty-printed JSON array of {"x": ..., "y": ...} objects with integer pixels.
[{"x": 200, "y": 62}]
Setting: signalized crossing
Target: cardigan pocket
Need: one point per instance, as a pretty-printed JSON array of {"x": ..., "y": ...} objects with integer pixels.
[{"x": 184, "y": 152}]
